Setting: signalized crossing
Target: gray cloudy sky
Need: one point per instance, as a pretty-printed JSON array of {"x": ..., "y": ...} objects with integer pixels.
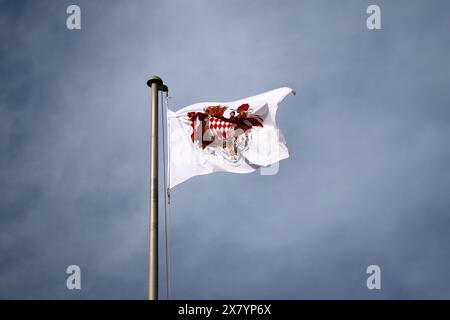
[{"x": 367, "y": 182}]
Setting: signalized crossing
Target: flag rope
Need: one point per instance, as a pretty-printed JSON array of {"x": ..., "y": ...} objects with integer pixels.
[{"x": 166, "y": 166}]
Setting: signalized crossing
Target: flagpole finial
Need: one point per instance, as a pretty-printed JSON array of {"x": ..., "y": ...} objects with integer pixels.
[
  {"x": 154, "y": 79},
  {"x": 159, "y": 82}
]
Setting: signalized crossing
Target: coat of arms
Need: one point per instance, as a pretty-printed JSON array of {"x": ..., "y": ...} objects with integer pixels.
[{"x": 218, "y": 135}]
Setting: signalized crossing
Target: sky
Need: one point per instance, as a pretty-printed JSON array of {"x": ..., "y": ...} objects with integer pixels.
[{"x": 367, "y": 181}]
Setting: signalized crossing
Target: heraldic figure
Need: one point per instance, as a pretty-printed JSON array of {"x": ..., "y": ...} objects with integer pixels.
[{"x": 218, "y": 135}]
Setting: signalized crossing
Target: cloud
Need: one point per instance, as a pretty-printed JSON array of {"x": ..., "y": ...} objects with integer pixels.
[{"x": 366, "y": 182}]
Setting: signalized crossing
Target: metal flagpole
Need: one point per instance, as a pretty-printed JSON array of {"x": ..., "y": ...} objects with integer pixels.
[{"x": 156, "y": 84}]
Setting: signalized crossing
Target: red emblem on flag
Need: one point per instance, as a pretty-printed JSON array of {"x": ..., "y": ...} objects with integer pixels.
[{"x": 215, "y": 133}]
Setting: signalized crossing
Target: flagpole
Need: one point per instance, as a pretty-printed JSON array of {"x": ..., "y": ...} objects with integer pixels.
[{"x": 156, "y": 85}]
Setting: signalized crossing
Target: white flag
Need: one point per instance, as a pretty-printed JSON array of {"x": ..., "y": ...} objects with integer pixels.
[{"x": 239, "y": 136}]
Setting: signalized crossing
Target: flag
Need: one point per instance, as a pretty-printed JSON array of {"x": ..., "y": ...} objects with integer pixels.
[{"x": 239, "y": 136}]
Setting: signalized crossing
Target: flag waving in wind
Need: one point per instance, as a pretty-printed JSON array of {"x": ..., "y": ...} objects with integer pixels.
[{"x": 239, "y": 136}]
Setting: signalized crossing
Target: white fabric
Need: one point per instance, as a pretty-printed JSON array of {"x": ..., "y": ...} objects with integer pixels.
[{"x": 267, "y": 145}]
